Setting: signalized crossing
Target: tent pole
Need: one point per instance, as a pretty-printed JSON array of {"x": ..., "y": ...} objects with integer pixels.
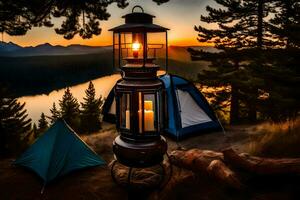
[
  {"x": 43, "y": 188},
  {"x": 167, "y": 53},
  {"x": 223, "y": 130}
]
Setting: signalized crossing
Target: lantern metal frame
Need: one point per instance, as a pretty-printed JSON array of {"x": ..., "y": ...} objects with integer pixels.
[
  {"x": 138, "y": 23},
  {"x": 135, "y": 129},
  {"x": 137, "y": 147}
]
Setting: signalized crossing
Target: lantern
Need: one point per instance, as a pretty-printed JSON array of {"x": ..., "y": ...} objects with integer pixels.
[{"x": 139, "y": 48}]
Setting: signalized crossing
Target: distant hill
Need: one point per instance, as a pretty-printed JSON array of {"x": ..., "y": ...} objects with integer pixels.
[
  {"x": 8, "y": 47},
  {"x": 13, "y": 50}
]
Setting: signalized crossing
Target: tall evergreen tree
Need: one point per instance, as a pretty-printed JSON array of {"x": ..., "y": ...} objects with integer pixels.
[
  {"x": 35, "y": 130},
  {"x": 55, "y": 114},
  {"x": 91, "y": 110},
  {"x": 283, "y": 73},
  {"x": 42, "y": 124},
  {"x": 14, "y": 124},
  {"x": 285, "y": 25},
  {"x": 69, "y": 109},
  {"x": 240, "y": 36}
]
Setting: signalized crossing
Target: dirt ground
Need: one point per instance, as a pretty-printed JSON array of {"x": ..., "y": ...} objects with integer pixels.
[{"x": 96, "y": 183}]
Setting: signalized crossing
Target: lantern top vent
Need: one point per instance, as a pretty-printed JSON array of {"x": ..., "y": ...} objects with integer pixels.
[
  {"x": 138, "y": 17},
  {"x": 138, "y": 22}
]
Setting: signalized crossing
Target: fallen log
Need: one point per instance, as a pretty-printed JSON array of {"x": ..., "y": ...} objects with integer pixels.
[
  {"x": 195, "y": 159},
  {"x": 208, "y": 163},
  {"x": 226, "y": 166},
  {"x": 223, "y": 174},
  {"x": 262, "y": 166}
]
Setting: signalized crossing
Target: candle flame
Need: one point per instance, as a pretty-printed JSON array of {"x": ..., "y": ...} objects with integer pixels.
[{"x": 136, "y": 46}]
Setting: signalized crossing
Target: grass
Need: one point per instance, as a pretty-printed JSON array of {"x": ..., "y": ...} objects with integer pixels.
[
  {"x": 276, "y": 140},
  {"x": 101, "y": 142}
]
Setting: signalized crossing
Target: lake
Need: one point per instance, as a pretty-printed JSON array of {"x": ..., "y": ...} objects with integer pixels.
[{"x": 37, "y": 104}]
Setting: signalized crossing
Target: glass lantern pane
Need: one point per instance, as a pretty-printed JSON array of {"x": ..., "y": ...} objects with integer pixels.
[
  {"x": 125, "y": 111},
  {"x": 116, "y": 51},
  {"x": 140, "y": 113},
  {"x": 125, "y": 39},
  {"x": 149, "y": 112},
  {"x": 156, "y": 45},
  {"x": 159, "y": 115},
  {"x": 132, "y": 49}
]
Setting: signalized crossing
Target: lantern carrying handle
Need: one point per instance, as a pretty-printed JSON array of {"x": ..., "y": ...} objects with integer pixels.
[{"x": 137, "y": 6}]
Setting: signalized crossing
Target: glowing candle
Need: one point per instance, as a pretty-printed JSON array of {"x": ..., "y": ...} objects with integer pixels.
[
  {"x": 135, "y": 49},
  {"x": 148, "y": 116},
  {"x": 149, "y": 120},
  {"x": 127, "y": 118}
]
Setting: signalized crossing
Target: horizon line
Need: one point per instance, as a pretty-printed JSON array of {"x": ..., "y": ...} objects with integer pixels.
[{"x": 170, "y": 45}]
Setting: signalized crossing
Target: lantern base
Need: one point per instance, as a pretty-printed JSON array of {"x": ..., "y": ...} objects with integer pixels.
[
  {"x": 139, "y": 154},
  {"x": 133, "y": 178}
]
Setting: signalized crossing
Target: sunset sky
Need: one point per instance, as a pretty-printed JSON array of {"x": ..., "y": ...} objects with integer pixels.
[{"x": 178, "y": 15}]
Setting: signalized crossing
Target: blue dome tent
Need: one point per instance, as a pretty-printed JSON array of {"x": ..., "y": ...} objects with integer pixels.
[
  {"x": 57, "y": 152},
  {"x": 188, "y": 112}
]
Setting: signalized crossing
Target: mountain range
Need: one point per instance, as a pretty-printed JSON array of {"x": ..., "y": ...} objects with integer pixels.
[{"x": 11, "y": 49}]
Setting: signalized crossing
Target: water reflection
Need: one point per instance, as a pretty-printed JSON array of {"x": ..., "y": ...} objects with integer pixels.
[{"x": 37, "y": 104}]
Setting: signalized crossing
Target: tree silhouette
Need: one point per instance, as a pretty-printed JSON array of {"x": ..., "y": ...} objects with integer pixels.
[
  {"x": 285, "y": 24},
  {"x": 14, "y": 124},
  {"x": 282, "y": 78},
  {"x": 240, "y": 35},
  {"x": 80, "y": 17},
  {"x": 55, "y": 114},
  {"x": 42, "y": 124},
  {"x": 258, "y": 58},
  {"x": 35, "y": 131},
  {"x": 69, "y": 109},
  {"x": 91, "y": 110}
]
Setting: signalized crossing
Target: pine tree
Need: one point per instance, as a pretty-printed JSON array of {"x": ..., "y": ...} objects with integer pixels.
[
  {"x": 283, "y": 73},
  {"x": 35, "y": 130},
  {"x": 91, "y": 110},
  {"x": 14, "y": 124},
  {"x": 240, "y": 37},
  {"x": 285, "y": 23},
  {"x": 42, "y": 124},
  {"x": 55, "y": 114},
  {"x": 69, "y": 109}
]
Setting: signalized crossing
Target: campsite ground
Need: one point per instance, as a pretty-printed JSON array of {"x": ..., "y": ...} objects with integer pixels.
[{"x": 96, "y": 183}]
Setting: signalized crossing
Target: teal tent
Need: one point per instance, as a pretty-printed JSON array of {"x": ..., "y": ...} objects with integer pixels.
[{"x": 57, "y": 152}]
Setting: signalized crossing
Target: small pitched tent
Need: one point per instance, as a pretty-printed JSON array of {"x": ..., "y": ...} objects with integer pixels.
[
  {"x": 188, "y": 111},
  {"x": 57, "y": 152}
]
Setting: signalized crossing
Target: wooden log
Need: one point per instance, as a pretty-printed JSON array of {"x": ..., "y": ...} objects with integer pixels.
[
  {"x": 208, "y": 163},
  {"x": 224, "y": 166},
  {"x": 224, "y": 175},
  {"x": 195, "y": 159},
  {"x": 262, "y": 166}
]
